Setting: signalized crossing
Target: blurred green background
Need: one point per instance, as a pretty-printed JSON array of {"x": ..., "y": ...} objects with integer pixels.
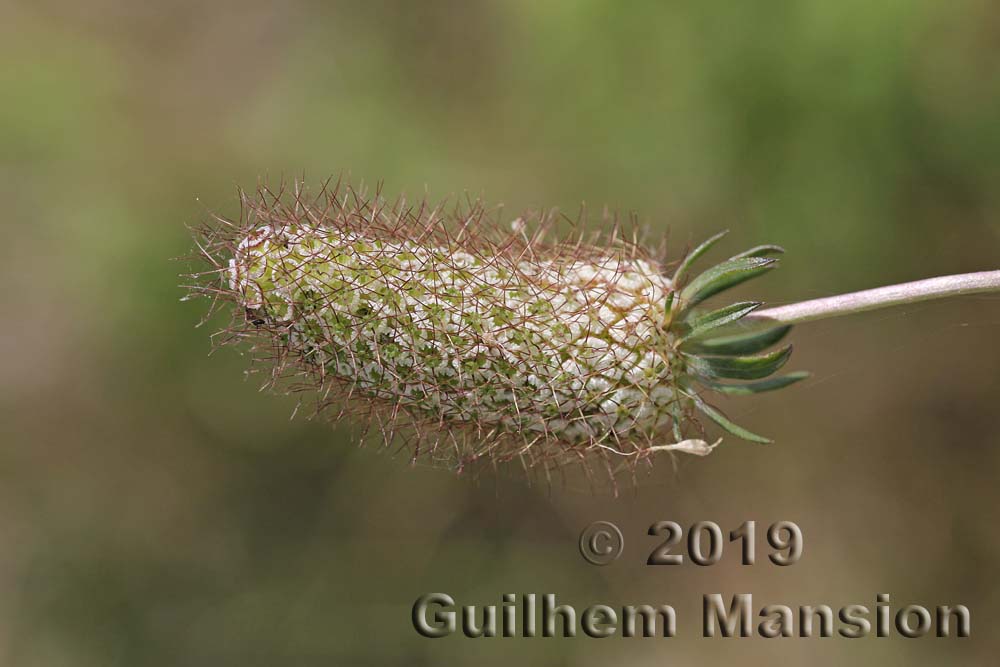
[{"x": 155, "y": 509}]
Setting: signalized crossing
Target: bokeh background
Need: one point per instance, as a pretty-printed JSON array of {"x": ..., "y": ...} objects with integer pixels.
[{"x": 155, "y": 509}]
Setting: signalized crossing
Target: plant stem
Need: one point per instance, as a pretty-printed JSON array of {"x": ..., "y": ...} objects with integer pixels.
[{"x": 880, "y": 297}]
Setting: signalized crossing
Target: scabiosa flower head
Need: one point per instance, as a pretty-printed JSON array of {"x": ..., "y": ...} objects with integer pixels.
[{"x": 471, "y": 342}]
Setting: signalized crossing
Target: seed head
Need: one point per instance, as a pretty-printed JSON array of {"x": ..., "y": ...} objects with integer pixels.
[{"x": 471, "y": 342}]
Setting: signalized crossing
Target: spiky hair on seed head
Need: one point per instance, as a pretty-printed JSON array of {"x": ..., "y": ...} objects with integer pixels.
[{"x": 439, "y": 329}]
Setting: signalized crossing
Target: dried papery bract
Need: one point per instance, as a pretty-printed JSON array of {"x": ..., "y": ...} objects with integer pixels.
[{"x": 472, "y": 341}]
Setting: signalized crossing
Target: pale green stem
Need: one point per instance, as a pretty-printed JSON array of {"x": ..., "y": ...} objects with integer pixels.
[{"x": 880, "y": 297}]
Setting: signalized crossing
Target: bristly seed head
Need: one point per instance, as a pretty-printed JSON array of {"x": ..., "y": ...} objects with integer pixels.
[{"x": 474, "y": 343}]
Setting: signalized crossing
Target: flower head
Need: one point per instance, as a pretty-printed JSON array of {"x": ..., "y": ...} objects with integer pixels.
[{"x": 484, "y": 344}]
